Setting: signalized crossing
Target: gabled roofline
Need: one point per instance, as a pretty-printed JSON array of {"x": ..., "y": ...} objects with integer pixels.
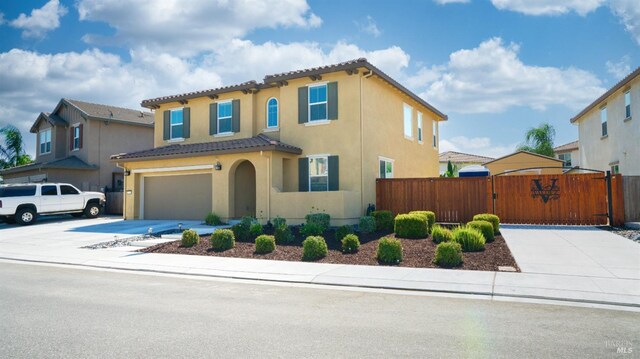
[
  {"x": 610, "y": 92},
  {"x": 527, "y": 152},
  {"x": 479, "y": 157}
]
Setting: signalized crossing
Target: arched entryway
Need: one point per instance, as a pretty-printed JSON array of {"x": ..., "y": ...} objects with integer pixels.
[{"x": 244, "y": 184}]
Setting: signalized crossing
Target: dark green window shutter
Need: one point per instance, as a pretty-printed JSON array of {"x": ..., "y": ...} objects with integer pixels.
[
  {"x": 332, "y": 100},
  {"x": 334, "y": 174},
  {"x": 186, "y": 122},
  {"x": 235, "y": 116},
  {"x": 303, "y": 104},
  {"x": 303, "y": 174},
  {"x": 167, "y": 125},
  {"x": 383, "y": 169},
  {"x": 213, "y": 118}
]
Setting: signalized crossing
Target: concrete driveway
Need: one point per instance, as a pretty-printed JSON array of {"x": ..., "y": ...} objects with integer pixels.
[{"x": 573, "y": 250}]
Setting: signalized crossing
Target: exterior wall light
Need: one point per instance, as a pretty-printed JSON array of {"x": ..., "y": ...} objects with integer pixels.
[{"x": 218, "y": 166}]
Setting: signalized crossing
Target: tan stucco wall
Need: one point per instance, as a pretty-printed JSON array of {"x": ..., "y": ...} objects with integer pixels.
[
  {"x": 524, "y": 160},
  {"x": 621, "y": 144}
]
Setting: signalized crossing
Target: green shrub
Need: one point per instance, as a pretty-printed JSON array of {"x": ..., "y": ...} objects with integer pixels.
[
  {"x": 448, "y": 254},
  {"x": 283, "y": 235},
  {"x": 212, "y": 219},
  {"x": 311, "y": 229},
  {"x": 485, "y": 227},
  {"x": 367, "y": 224},
  {"x": 265, "y": 244},
  {"x": 241, "y": 231},
  {"x": 323, "y": 219},
  {"x": 222, "y": 239},
  {"x": 314, "y": 248},
  {"x": 470, "y": 239},
  {"x": 441, "y": 234},
  {"x": 384, "y": 220},
  {"x": 431, "y": 217},
  {"x": 189, "y": 238},
  {"x": 255, "y": 229},
  {"x": 350, "y": 243},
  {"x": 343, "y": 231},
  {"x": 411, "y": 226},
  {"x": 491, "y": 218},
  {"x": 389, "y": 250},
  {"x": 279, "y": 222}
]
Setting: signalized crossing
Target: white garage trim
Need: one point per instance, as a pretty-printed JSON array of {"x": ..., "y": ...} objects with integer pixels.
[{"x": 173, "y": 169}]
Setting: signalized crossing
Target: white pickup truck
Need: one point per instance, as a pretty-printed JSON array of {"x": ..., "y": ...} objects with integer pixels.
[{"x": 23, "y": 203}]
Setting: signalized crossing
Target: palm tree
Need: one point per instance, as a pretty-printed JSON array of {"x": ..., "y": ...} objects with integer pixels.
[
  {"x": 12, "y": 153},
  {"x": 539, "y": 140}
]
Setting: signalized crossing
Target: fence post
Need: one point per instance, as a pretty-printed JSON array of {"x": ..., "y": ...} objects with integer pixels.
[{"x": 609, "y": 198}]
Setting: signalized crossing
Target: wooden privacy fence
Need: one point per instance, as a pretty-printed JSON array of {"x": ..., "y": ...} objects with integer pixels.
[
  {"x": 582, "y": 199},
  {"x": 631, "y": 191},
  {"x": 114, "y": 202}
]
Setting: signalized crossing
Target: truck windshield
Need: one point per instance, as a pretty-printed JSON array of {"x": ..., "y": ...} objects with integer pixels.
[{"x": 17, "y": 191}]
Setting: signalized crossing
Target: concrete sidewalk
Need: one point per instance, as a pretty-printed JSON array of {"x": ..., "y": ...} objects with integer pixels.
[{"x": 563, "y": 287}]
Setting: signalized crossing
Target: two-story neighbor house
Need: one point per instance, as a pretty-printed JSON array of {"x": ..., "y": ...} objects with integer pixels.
[
  {"x": 460, "y": 160},
  {"x": 305, "y": 141},
  {"x": 569, "y": 153},
  {"x": 76, "y": 140},
  {"x": 609, "y": 129}
]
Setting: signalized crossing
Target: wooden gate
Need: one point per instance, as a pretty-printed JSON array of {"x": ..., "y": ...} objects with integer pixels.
[
  {"x": 551, "y": 199},
  {"x": 114, "y": 203}
]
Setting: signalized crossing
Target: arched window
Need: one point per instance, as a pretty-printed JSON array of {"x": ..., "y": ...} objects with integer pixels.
[{"x": 272, "y": 113}]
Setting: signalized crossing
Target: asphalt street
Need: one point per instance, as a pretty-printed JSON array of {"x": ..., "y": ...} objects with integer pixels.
[{"x": 62, "y": 312}]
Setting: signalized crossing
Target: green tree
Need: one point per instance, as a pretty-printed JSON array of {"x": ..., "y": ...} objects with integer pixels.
[
  {"x": 452, "y": 170},
  {"x": 12, "y": 153},
  {"x": 539, "y": 140}
]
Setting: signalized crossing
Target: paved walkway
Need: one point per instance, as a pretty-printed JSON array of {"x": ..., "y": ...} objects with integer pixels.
[{"x": 60, "y": 242}]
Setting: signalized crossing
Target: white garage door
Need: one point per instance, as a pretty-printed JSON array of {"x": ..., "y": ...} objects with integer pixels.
[{"x": 177, "y": 197}]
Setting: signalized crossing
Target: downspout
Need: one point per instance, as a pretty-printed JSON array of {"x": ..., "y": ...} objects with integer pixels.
[
  {"x": 124, "y": 194},
  {"x": 362, "y": 204}
]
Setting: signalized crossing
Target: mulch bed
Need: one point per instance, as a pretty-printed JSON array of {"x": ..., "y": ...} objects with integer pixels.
[{"x": 416, "y": 252}]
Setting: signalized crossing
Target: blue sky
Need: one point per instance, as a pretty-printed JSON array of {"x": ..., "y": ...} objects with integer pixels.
[{"x": 496, "y": 67}]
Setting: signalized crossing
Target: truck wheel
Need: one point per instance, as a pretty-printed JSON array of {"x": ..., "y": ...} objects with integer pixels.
[
  {"x": 26, "y": 216},
  {"x": 92, "y": 210}
]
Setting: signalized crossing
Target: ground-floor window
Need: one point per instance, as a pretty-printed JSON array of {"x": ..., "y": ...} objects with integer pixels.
[
  {"x": 318, "y": 174},
  {"x": 386, "y": 168}
]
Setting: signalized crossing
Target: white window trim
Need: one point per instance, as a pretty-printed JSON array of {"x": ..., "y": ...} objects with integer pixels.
[
  {"x": 317, "y": 123},
  {"x": 309, "y": 158},
  {"x": 218, "y": 118},
  {"x": 326, "y": 102},
  {"x": 277, "y": 113},
  {"x": 435, "y": 134},
  {"x": 48, "y": 130},
  {"x": 624, "y": 98},
  {"x": 171, "y": 125},
  {"x": 420, "y": 134},
  {"x": 606, "y": 120},
  {"x": 393, "y": 165},
  {"x": 404, "y": 126},
  {"x": 76, "y": 126}
]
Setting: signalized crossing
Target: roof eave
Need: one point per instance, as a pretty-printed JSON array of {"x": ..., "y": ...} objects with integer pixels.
[
  {"x": 276, "y": 148},
  {"x": 153, "y": 103}
]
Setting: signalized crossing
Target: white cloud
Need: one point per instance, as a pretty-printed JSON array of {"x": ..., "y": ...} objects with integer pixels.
[
  {"x": 369, "y": 26},
  {"x": 444, "y": 2},
  {"x": 40, "y": 21},
  {"x": 619, "y": 69},
  {"x": 189, "y": 27},
  {"x": 548, "y": 7},
  {"x": 481, "y": 146},
  {"x": 629, "y": 13},
  {"x": 491, "y": 78}
]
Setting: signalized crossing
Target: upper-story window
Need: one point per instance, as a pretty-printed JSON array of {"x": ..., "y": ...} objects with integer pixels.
[
  {"x": 177, "y": 124},
  {"x": 566, "y": 158},
  {"x": 45, "y": 141},
  {"x": 76, "y": 137},
  {"x": 408, "y": 121},
  {"x": 225, "y": 114},
  {"x": 627, "y": 104},
  {"x": 435, "y": 134},
  {"x": 420, "y": 127},
  {"x": 603, "y": 120},
  {"x": 318, "y": 103},
  {"x": 272, "y": 113}
]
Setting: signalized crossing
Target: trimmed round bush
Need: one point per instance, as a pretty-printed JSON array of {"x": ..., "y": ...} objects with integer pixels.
[
  {"x": 384, "y": 220},
  {"x": 323, "y": 219},
  {"x": 222, "y": 239},
  {"x": 212, "y": 219},
  {"x": 279, "y": 222},
  {"x": 265, "y": 244},
  {"x": 367, "y": 224},
  {"x": 389, "y": 250},
  {"x": 189, "y": 238},
  {"x": 283, "y": 235},
  {"x": 343, "y": 231},
  {"x": 448, "y": 254},
  {"x": 314, "y": 248},
  {"x": 241, "y": 231},
  {"x": 441, "y": 234},
  {"x": 411, "y": 226},
  {"x": 311, "y": 229},
  {"x": 469, "y": 238},
  {"x": 485, "y": 227},
  {"x": 431, "y": 217},
  {"x": 491, "y": 218},
  {"x": 350, "y": 243},
  {"x": 255, "y": 229}
]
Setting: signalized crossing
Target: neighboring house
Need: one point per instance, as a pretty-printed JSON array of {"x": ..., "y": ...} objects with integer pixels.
[
  {"x": 460, "y": 160},
  {"x": 305, "y": 141},
  {"x": 569, "y": 153},
  {"x": 609, "y": 131},
  {"x": 75, "y": 142},
  {"x": 525, "y": 163}
]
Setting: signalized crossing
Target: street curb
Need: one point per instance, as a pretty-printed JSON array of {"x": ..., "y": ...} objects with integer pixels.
[{"x": 440, "y": 291}]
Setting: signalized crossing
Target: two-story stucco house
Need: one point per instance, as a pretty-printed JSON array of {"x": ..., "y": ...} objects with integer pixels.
[
  {"x": 76, "y": 140},
  {"x": 305, "y": 141},
  {"x": 609, "y": 129}
]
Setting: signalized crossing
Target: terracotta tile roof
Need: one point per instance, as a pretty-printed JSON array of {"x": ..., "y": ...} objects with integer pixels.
[
  {"x": 71, "y": 163},
  {"x": 252, "y": 144},
  {"x": 567, "y": 147},
  {"x": 98, "y": 111},
  {"x": 459, "y": 157},
  {"x": 249, "y": 85}
]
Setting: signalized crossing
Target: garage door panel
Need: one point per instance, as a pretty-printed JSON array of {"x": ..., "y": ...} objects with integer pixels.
[{"x": 185, "y": 197}]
